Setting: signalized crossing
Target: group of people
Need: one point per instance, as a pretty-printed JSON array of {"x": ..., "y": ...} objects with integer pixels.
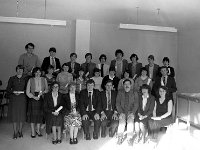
[{"x": 126, "y": 97}]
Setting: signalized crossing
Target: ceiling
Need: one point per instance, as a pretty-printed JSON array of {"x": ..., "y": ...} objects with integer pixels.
[{"x": 176, "y": 13}]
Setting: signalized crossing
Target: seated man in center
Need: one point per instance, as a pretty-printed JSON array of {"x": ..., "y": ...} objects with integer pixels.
[
  {"x": 90, "y": 108},
  {"x": 109, "y": 111},
  {"x": 127, "y": 105}
]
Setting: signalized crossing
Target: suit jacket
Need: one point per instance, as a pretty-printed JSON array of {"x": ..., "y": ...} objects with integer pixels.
[
  {"x": 90, "y": 69},
  {"x": 67, "y": 103},
  {"x": 155, "y": 71},
  {"x": 124, "y": 64},
  {"x": 46, "y": 63},
  {"x": 115, "y": 82},
  {"x": 76, "y": 69},
  {"x": 105, "y": 69},
  {"x": 148, "y": 111},
  {"x": 171, "y": 72},
  {"x": 84, "y": 101},
  {"x": 132, "y": 105},
  {"x": 138, "y": 68},
  {"x": 104, "y": 100},
  {"x": 170, "y": 84}
]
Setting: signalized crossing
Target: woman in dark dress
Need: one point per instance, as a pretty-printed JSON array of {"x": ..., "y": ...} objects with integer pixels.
[
  {"x": 144, "y": 113},
  {"x": 17, "y": 105},
  {"x": 49, "y": 76},
  {"x": 53, "y": 107},
  {"x": 72, "y": 119},
  {"x": 35, "y": 89},
  {"x": 162, "y": 114}
]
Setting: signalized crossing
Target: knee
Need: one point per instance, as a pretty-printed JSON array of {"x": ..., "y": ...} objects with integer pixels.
[{"x": 104, "y": 123}]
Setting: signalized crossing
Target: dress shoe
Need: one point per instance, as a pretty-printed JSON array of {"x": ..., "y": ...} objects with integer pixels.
[
  {"x": 14, "y": 136},
  {"x": 88, "y": 137},
  {"x": 20, "y": 134},
  {"x": 71, "y": 141},
  {"x": 75, "y": 140},
  {"x": 33, "y": 136},
  {"x": 95, "y": 136},
  {"x": 38, "y": 134},
  {"x": 59, "y": 141},
  {"x": 54, "y": 142}
]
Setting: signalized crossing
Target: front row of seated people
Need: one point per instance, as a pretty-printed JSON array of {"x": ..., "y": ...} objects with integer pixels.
[{"x": 124, "y": 111}]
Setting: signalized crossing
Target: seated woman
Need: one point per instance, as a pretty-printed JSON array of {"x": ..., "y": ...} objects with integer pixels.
[
  {"x": 162, "y": 114},
  {"x": 142, "y": 79},
  {"x": 72, "y": 119},
  {"x": 64, "y": 78},
  {"x": 49, "y": 76},
  {"x": 144, "y": 113},
  {"x": 97, "y": 79},
  {"x": 53, "y": 106},
  {"x": 80, "y": 81},
  {"x": 17, "y": 105},
  {"x": 35, "y": 89},
  {"x": 126, "y": 75}
]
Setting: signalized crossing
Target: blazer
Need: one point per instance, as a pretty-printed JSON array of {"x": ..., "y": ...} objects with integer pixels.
[
  {"x": 148, "y": 111},
  {"x": 90, "y": 69},
  {"x": 67, "y": 103},
  {"x": 104, "y": 100},
  {"x": 77, "y": 67},
  {"x": 46, "y": 63},
  {"x": 155, "y": 71},
  {"x": 115, "y": 82},
  {"x": 105, "y": 69},
  {"x": 132, "y": 105},
  {"x": 84, "y": 101},
  {"x": 138, "y": 68},
  {"x": 124, "y": 64},
  {"x": 170, "y": 84}
]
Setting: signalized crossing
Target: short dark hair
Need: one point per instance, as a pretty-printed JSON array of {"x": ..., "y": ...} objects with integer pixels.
[
  {"x": 52, "y": 49},
  {"x": 127, "y": 71},
  {"x": 145, "y": 86},
  {"x": 96, "y": 70},
  {"x": 73, "y": 54},
  {"x": 50, "y": 67},
  {"x": 65, "y": 64},
  {"x": 119, "y": 51},
  {"x": 88, "y": 54},
  {"x": 127, "y": 80},
  {"x": 144, "y": 69},
  {"x": 90, "y": 81},
  {"x": 111, "y": 69},
  {"x": 102, "y": 56},
  {"x": 29, "y": 44},
  {"x": 108, "y": 81},
  {"x": 134, "y": 55},
  {"x": 53, "y": 83},
  {"x": 151, "y": 57},
  {"x": 163, "y": 68},
  {"x": 164, "y": 88},
  {"x": 19, "y": 67},
  {"x": 166, "y": 59},
  {"x": 35, "y": 70}
]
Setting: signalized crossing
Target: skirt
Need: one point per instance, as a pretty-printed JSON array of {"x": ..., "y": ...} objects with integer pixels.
[
  {"x": 72, "y": 120},
  {"x": 35, "y": 112},
  {"x": 17, "y": 108},
  {"x": 52, "y": 120}
]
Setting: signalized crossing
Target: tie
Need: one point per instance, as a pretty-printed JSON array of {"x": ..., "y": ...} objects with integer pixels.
[
  {"x": 109, "y": 101},
  {"x": 90, "y": 101},
  {"x": 87, "y": 67},
  {"x": 53, "y": 63},
  {"x": 164, "y": 80},
  {"x": 102, "y": 70}
]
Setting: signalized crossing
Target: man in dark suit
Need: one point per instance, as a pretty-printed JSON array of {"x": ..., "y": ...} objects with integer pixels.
[
  {"x": 74, "y": 67},
  {"x": 90, "y": 108},
  {"x": 51, "y": 60},
  {"x": 152, "y": 68},
  {"x": 165, "y": 80},
  {"x": 134, "y": 67},
  {"x": 88, "y": 66},
  {"x": 109, "y": 111}
]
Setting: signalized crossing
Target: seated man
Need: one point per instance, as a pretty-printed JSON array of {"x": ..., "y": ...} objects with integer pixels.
[
  {"x": 90, "y": 108},
  {"x": 109, "y": 111},
  {"x": 127, "y": 105}
]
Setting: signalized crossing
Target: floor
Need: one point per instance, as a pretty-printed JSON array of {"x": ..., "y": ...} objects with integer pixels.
[{"x": 176, "y": 138}]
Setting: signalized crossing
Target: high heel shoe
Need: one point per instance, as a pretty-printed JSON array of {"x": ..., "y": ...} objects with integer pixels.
[
  {"x": 14, "y": 136},
  {"x": 75, "y": 140},
  {"x": 20, "y": 134},
  {"x": 59, "y": 141},
  {"x": 38, "y": 134},
  {"x": 54, "y": 142}
]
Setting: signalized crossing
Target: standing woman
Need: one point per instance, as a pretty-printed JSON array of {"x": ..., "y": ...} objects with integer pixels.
[
  {"x": 64, "y": 78},
  {"x": 36, "y": 87},
  {"x": 53, "y": 107},
  {"x": 72, "y": 118},
  {"x": 144, "y": 113},
  {"x": 162, "y": 114},
  {"x": 17, "y": 106}
]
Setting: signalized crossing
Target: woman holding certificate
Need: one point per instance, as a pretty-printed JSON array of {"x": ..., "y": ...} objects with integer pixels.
[
  {"x": 36, "y": 87},
  {"x": 53, "y": 107},
  {"x": 17, "y": 105}
]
